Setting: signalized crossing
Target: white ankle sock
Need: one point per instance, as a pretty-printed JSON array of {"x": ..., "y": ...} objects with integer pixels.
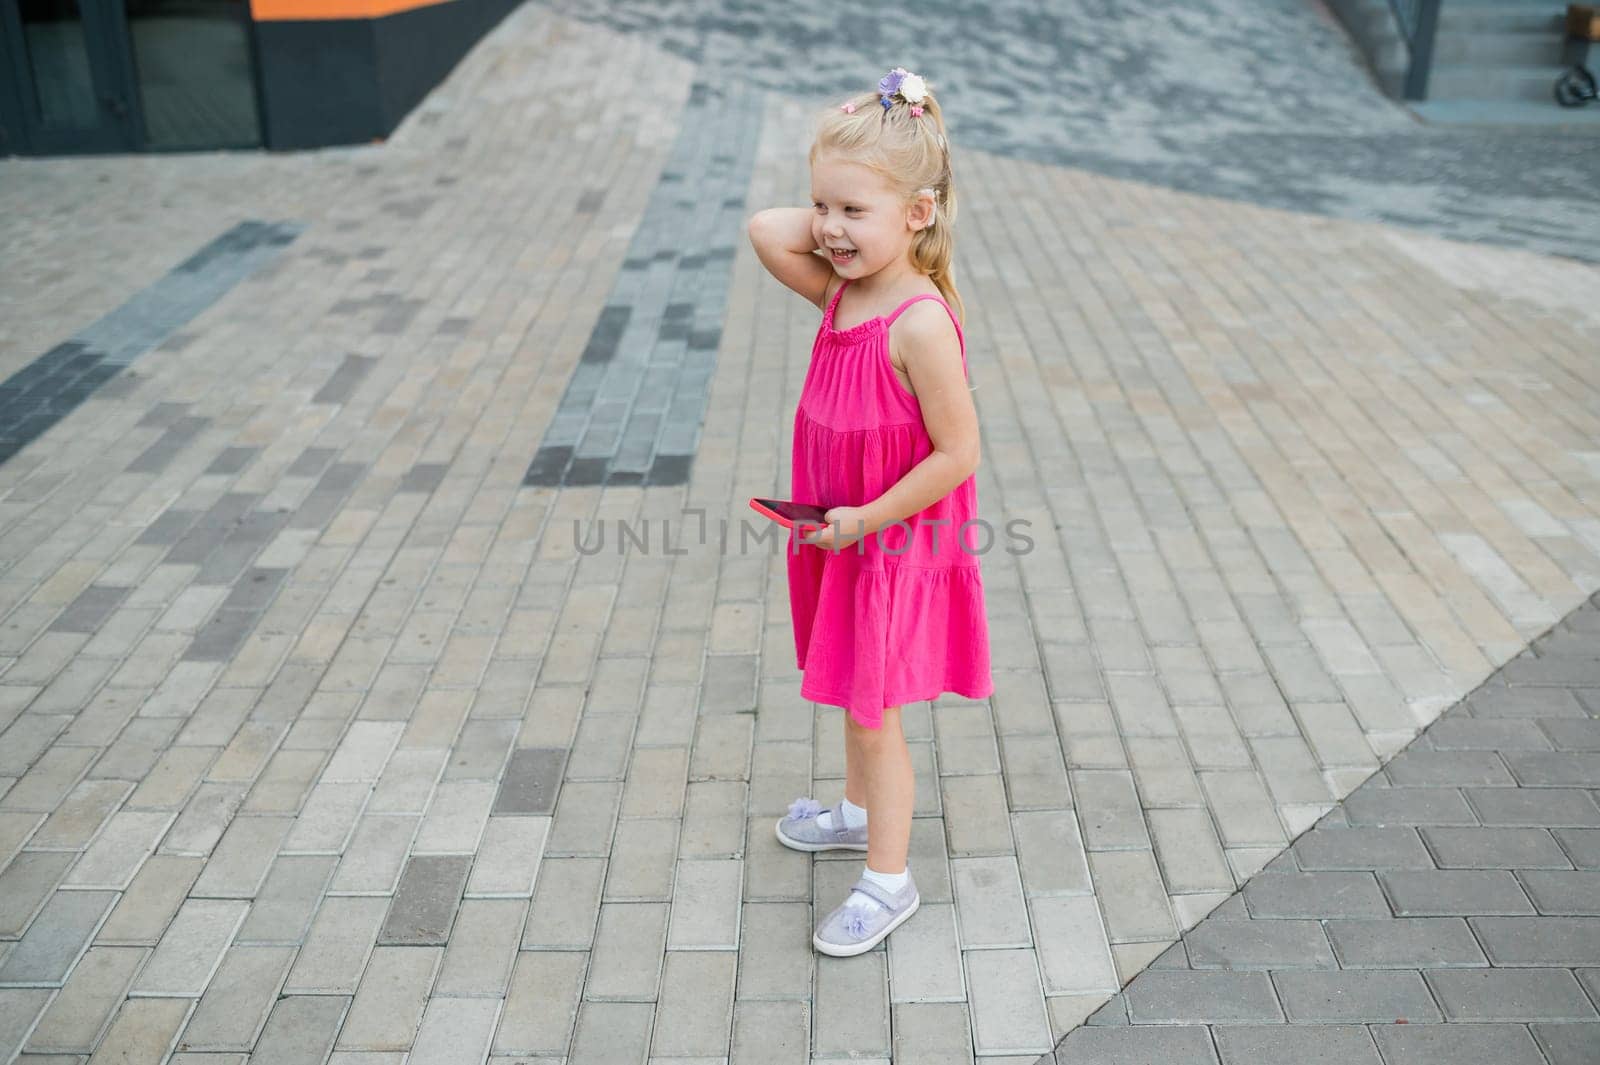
[
  {"x": 854, "y": 816},
  {"x": 890, "y": 882}
]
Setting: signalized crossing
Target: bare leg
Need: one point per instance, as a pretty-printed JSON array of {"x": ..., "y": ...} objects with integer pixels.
[
  {"x": 879, "y": 761},
  {"x": 855, "y": 769}
]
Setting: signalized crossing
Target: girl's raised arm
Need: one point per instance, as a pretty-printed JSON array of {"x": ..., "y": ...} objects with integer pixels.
[{"x": 783, "y": 242}]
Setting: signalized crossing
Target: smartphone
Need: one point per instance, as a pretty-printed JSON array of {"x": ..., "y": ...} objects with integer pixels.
[{"x": 790, "y": 514}]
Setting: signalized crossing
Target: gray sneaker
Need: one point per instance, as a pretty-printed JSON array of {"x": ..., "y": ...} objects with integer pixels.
[
  {"x": 855, "y": 929},
  {"x": 800, "y": 831}
]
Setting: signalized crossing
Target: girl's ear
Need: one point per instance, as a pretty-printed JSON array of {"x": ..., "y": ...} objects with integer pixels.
[{"x": 923, "y": 211}]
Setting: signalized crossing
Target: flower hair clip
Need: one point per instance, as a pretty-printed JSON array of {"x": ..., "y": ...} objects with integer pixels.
[
  {"x": 848, "y": 108},
  {"x": 908, "y": 86}
]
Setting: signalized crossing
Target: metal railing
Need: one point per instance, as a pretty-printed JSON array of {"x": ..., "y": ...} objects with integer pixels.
[{"x": 1418, "y": 21}]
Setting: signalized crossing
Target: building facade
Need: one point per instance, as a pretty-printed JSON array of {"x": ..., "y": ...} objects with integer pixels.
[{"x": 171, "y": 75}]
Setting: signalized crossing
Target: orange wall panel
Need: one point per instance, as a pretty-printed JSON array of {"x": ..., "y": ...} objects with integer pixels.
[{"x": 309, "y": 10}]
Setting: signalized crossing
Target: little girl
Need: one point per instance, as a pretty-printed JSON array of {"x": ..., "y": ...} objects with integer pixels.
[{"x": 887, "y": 599}]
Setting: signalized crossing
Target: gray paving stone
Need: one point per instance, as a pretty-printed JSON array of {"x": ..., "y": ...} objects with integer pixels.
[
  {"x": 1313, "y": 895},
  {"x": 1479, "y": 734},
  {"x": 1551, "y": 769},
  {"x": 1454, "y": 769},
  {"x": 1178, "y": 997},
  {"x": 1574, "y": 893},
  {"x": 1405, "y": 943},
  {"x": 1460, "y": 1044},
  {"x": 1354, "y": 997},
  {"x": 1277, "y": 944},
  {"x": 1495, "y": 848},
  {"x": 425, "y": 903},
  {"x": 1177, "y": 1045},
  {"x": 1410, "y": 806},
  {"x": 1362, "y": 848},
  {"x": 1582, "y": 846},
  {"x": 1539, "y": 940},
  {"x": 1510, "y": 995},
  {"x": 1567, "y": 1044},
  {"x": 1535, "y": 808},
  {"x": 1322, "y": 1044},
  {"x": 1447, "y": 892}
]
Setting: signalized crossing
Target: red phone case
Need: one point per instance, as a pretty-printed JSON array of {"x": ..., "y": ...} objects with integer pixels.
[{"x": 787, "y": 523}]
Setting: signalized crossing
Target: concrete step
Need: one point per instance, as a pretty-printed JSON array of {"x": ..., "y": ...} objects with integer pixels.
[
  {"x": 1503, "y": 18},
  {"x": 1471, "y": 82},
  {"x": 1511, "y": 114},
  {"x": 1455, "y": 47}
]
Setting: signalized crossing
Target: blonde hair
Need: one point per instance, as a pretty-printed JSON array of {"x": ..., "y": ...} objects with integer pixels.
[{"x": 913, "y": 153}]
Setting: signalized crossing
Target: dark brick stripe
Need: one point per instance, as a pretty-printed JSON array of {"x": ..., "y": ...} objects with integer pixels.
[
  {"x": 632, "y": 411},
  {"x": 40, "y": 394}
]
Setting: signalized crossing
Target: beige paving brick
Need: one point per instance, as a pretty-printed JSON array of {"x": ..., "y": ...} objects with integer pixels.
[
  {"x": 388, "y": 1005},
  {"x": 191, "y": 948},
  {"x": 705, "y": 905},
  {"x": 153, "y": 896},
  {"x": 240, "y": 861},
  {"x": 566, "y": 904},
  {"x": 694, "y": 1016},
  {"x": 337, "y": 947},
  {"x": 850, "y": 1007},
  {"x": 1007, "y": 1005},
  {"x": 770, "y": 1032},
  {"x": 113, "y": 859},
  {"x": 541, "y": 1003},
  {"x": 925, "y": 957},
  {"x": 455, "y": 1030},
  {"x": 456, "y": 817},
  {"x": 79, "y": 1014},
  {"x": 143, "y": 1029},
  {"x": 483, "y": 944},
  {"x": 235, "y": 1005}
]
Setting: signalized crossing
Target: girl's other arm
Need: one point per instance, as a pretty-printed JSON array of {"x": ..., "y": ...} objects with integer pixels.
[{"x": 783, "y": 242}]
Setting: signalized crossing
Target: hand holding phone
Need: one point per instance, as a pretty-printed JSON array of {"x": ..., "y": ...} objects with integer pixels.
[{"x": 790, "y": 514}]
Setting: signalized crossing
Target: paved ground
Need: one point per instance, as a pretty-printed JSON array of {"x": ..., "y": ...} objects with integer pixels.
[
  {"x": 1448, "y": 911},
  {"x": 1265, "y": 102},
  {"x": 309, "y": 695}
]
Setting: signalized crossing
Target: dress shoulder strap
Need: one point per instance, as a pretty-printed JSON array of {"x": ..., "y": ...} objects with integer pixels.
[
  {"x": 833, "y": 304},
  {"x": 898, "y": 311}
]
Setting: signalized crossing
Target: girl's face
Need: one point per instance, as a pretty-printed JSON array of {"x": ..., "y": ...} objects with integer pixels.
[{"x": 861, "y": 222}]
